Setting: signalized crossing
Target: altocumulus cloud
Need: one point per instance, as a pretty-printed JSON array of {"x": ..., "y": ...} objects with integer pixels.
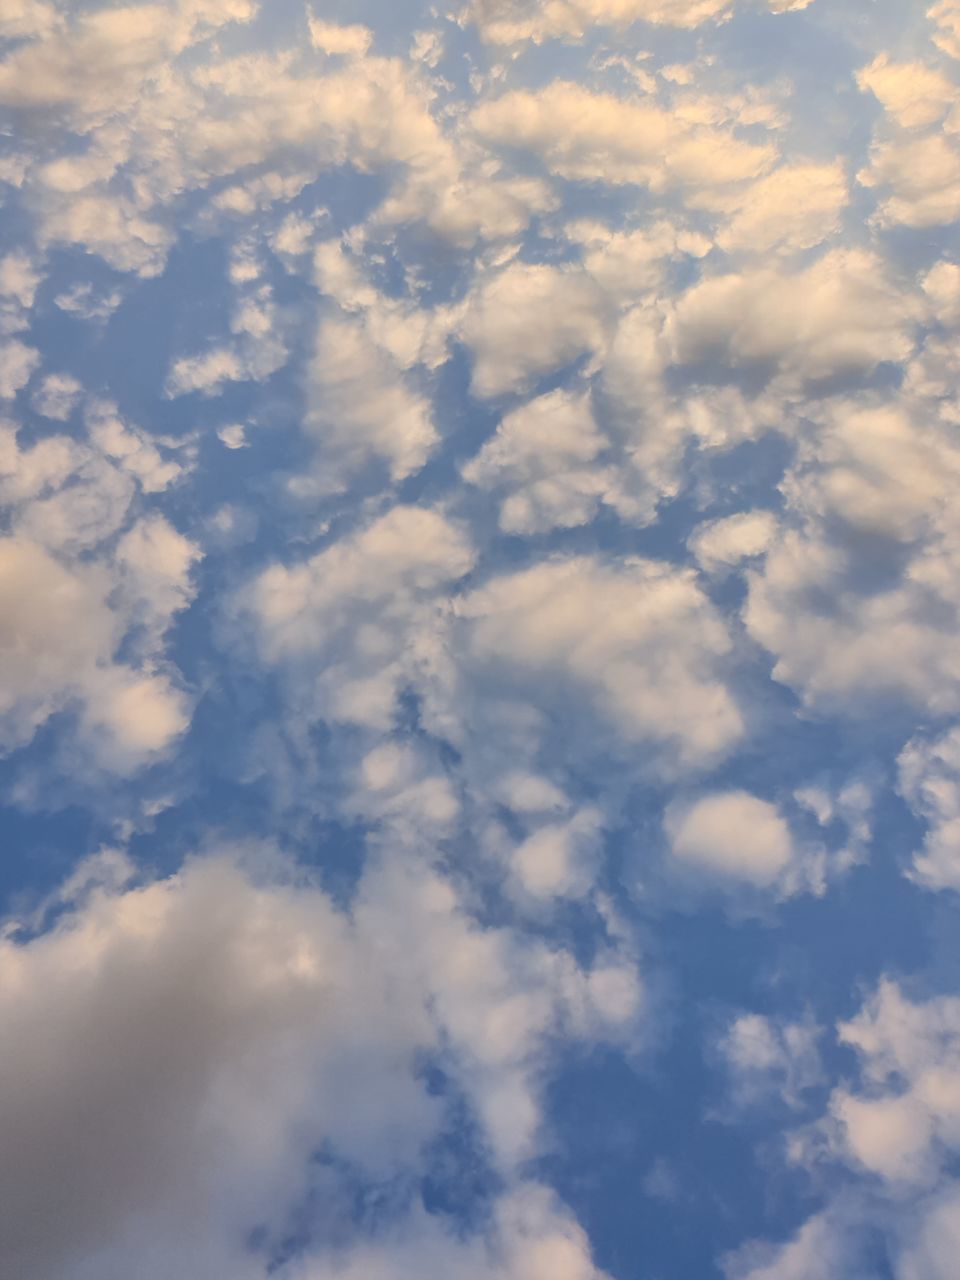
[{"x": 479, "y": 587}]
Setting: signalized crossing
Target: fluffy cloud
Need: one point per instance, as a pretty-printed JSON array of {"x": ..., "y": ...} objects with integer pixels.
[
  {"x": 599, "y": 137},
  {"x": 931, "y": 1254},
  {"x": 529, "y": 320},
  {"x": 57, "y": 396},
  {"x": 544, "y": 456},
  {"x": 722, "y": 544},
  {"x": 907, "y": 1120},
  {"x": 638, "y": 644},
  {"x": 912, "y": 93},
  {"x": 731, "y": 835},
  {"x": 796, "y": 207},
  {"x": 59, "y": 644},
  {"x": 770, "y": 1057},
  {"x": 197, "y": 991},
  {"x": 846, "y": 317},
  {"x": 361, "y": 408},
  {"x": 351, "y": 613},
  {"x": 823, "y": 1242},
  {"x": 842, "y": 620},
  {"x": 945, "y": 15},
  {"x": 510, "y": 21},
  {"x": 532, "y": 1238},
  {"x": 17, "y": 363},
  {"x": 71, "y": 602},
  {"x": 930, "y": 782},
  {"x": 918, "y": 180}
]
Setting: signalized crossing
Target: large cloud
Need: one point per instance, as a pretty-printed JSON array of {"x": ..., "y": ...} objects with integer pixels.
[
  {"x": 858, "y": 599},
  {"x": 636, "y": 645},
  {"x": 590, "y": 136},
  {"x": 178, "y": 1051}
]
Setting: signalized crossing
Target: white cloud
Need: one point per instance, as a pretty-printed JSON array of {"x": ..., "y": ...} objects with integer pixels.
[
  {"x": 543, "y": 459},
  {"x": 532, "y": 1237},
  {"x": 636, "y": 643},
  {"x": 766, "y": 1056},
  {"x": 918, "y": 178},
  {"x": 19, "y": 278},
  {"x": 912, "y": 93},
  {"x": 157, "y": 561},
  {"x": 17, "y": 363},
  {"x": 559, "y": 859},
  {"x": 796, "y": 207},
  {"x": 350, "y": 614},
  {"x": 529, "y": 320},
  {"x": 929, "y": 780},
  {"x": 131, "y": 448},
  {"x": 329, "y": 38},
  {"x": 207, "y": 373},
  {"x": 842, "y": 624},
  {"x": 599, "y": 137},
  {"x": 945, "y": 15},
  {"x": 822, "y": 1246},
  {"x": 198, "y": 1038},
  {"x": 932, "y": 1252},
  {"x": 846, "y": 317},
  {"x": 233, "y": 435},
  {"x": 941, "y": 284},
  {"x": 906, "y": 1121},
  {"x": 57, "y": 396},
  {"x": 82, "y": 300},
  {"x": 733, "y": 836},
  {"x": 361, "y": 408},
  {"x": 257, "y": 350},
  {"x": 58, "y": 647},
  {"x": 510, "y": 21},
  {"x": 720, "y": 545}
]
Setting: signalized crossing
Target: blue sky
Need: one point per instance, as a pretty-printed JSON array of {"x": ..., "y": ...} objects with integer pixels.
[{"x": 479, "y": 588}]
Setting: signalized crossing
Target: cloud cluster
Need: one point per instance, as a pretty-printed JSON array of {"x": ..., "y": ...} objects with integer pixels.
[{"x": 250, "y": 1017}]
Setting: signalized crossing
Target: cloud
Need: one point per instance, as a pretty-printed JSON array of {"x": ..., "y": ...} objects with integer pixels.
[
  {"x": 795, "y": 207},
  {"x": 731, "y": 835},
  {"x": 544, "y": 459},
  {"x": 17, "y": 363},
  {"x": 510, "y": 21},
  {"x": 929, "y": 780},
  {"x": 197, "y": 1039},
  {"x": 931, "y": 1254},
  {"x": 360, "y": 406},
  {"x": 825, "y": 1241},
  {"x": 912, "y": 93},
  {"x": 532, "y": 1237},
  {"x": 57, "y": 396},
  {"x": 908, "y": 1119},
  {"x": 720, "y": 545},
  {"x": 770, "y": 1057},
  {"x": 527, "y": 321},
  {"x": 559, "y": 859},
  {"x": 338, "y": 40},
  {"x": 586, "y": 136},
  {"x": 637, "y": 644},
  {"x": 71, "y": 605},
  {"x": 855, "y": 595},
  {"x": 846, "y": 317},
  {"x": 945, "y": 15},
  {"x": 941, "y": 284},
  {"x": 350, "y": 614},
  {"x": 19, "y": 278},
  {"x": 161, "y": 1012},
  {"x": 918, "y": 177}
]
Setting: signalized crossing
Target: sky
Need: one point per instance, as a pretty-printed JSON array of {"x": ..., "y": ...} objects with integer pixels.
[{"x": 479, "y": 614}]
